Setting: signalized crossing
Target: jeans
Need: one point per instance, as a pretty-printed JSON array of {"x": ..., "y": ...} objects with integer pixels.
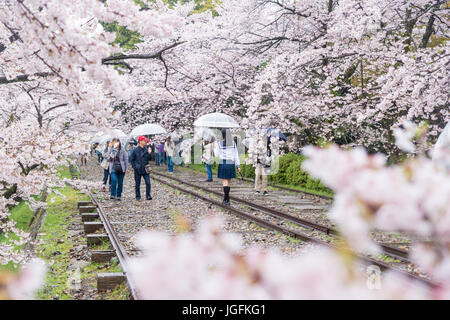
[
  {"x": 137, "y": 187},
  {"x": 158, "y": 159},
  {"x": 106, "y": 176},
  {"x": 170, "y": 163},
  {"x": 117, "y": 184},
  {"x": 162, "y": 158},
  {"x": 209, "y": 171}
]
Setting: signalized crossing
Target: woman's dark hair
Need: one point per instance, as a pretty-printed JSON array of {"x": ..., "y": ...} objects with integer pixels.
[
  {"x": 226, "y": 136},
  {"x": 120, "y": 143}
]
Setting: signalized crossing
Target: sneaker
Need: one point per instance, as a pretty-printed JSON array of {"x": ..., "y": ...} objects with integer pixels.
[
  {"x": 118, "y": 199},
  {"x": 257, "y": 192},
  {"x": 171, "y": 172},
  {"x": 149, "y": 198},
  {"x": 208, "y": 180},
  {"x": 112, "y": 197},
  {"x": 138, "y": 199},
  {"x": 265, "y": 193},
  {"x": 226, "y": 203}
]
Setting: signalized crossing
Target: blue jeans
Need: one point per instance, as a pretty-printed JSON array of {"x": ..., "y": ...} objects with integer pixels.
[
  {"x": 209, "y": 171},
  {"x": 170, "y": 163},
  {"x": 117, "y": 184},
  {"x": 137, "y": 187},
  {"x": 163, "y": 157},
  {"x": 158, "y": 159}
]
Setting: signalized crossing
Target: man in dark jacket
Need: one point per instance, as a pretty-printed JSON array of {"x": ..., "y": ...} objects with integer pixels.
[{"x": 140, "y": 157}]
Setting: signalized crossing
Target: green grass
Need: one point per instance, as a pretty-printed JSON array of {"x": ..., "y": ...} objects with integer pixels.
[
  {"x": 55, "y": 238},
  {"x": 22, "y": 215}
]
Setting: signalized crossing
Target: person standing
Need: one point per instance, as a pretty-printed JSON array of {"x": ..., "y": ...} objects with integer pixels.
[
  {"x": 186, "y": 155},
  {"x": 260, "y": 155},
  {"x": 227, "y": 151},
  {"x": 207, "y": 157},
  {"x": 118, "y": 166},
  {"x": 162, "y": 154},
  {"x": 169, "y": 148},
  {"x": 157, "y": 155},
  {"x": 140, "y": 158}
]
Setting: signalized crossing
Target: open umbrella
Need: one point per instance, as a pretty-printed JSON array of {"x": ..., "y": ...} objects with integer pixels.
[
  {"x": 281, "y": 136},
  {"x": 147, "y": 129},
  {"x": 203, "y": 133},
  {"x": 185, "y": 144},
  {"x": 111, "y": 134},
  {"x": 442, "y": 143},
  {"x": 216, "y": 120},
  {"x": 97, "y": 137}
]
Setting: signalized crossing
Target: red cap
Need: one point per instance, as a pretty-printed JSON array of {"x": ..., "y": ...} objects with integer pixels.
[{"x": 142, "y": 138}]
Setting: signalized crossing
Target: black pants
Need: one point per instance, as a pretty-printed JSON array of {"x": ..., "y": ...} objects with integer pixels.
[
  {"x": 137, "y": 188},
  {"x": 106, "y": 177}
]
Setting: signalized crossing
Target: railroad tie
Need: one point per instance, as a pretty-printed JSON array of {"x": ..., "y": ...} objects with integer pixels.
[{"x": 110, "y": 280}]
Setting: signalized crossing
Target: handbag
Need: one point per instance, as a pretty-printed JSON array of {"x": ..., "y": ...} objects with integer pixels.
[
  {"x": 117, "y": 167},
  {"x": 105, "y": 164},
  {"x": 148, "y": 168}
]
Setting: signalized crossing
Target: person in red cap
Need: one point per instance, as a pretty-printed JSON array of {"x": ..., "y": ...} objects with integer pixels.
[{"x": 139, "y": 159}]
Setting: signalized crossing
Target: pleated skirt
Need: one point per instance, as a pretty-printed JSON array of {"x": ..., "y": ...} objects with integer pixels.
[{"x": 226, "y": 171}]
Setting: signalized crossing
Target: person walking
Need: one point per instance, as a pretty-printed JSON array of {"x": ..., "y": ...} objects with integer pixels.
[
  {"x": 106, "y": 174},
  {"x": 118, "y": 159},
  {"x": 207, "y": 157},
  {"x": 169, "y": 148},
  {"x": 228, "y": 154},
  {"x": 98, "y": 151},
  {"x": 133, "y": 145},
  {"x": 140, "y": 157}
]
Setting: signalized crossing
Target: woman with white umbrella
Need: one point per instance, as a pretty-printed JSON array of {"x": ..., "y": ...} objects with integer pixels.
[{"x": 227, "y": 151}]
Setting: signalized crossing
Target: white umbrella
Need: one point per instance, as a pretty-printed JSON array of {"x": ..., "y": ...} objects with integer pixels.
[
  {"x": 147, "y": 129},
  {"x": 216, "y": 120},
  {"x": 203, "y": 133},
  {"x": 442, "y": 143},
  {"x": 115, "y": 133},
  {"x": 97, "y": 137},
  {"x": 246, "y": 142},
  {"x": 185, "y": 144}
]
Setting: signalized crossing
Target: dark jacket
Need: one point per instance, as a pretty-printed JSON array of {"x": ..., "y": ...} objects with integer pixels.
[{"x": 139, "y": 159}]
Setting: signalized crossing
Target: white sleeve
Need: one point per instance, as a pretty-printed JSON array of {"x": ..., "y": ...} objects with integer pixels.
[
  {"x": 236, "y": 156},
  {"x": 216, "y": 149}
]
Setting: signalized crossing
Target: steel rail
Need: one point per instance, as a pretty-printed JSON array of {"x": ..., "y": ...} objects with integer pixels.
[
  {"x": 394, "y": 252},
  {"x": 292, "y": 232},
  {"x": 276, "y": 185},
  {"x": 116, "y": 243}
]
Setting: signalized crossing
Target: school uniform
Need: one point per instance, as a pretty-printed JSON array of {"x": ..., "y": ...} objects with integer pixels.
[{"x": 229, "y": 160}]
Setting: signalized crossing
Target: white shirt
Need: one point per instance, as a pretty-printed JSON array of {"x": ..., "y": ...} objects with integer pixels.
[{"x": 227, "y": 153}]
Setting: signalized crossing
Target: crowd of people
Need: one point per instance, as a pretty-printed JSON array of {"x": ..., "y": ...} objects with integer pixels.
[{"x": 116, "y": 162}]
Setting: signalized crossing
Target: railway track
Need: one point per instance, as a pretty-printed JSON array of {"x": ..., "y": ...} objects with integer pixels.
[
  {"x": 114, "y": 239},
  {"x": 260, "y": 211}
]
